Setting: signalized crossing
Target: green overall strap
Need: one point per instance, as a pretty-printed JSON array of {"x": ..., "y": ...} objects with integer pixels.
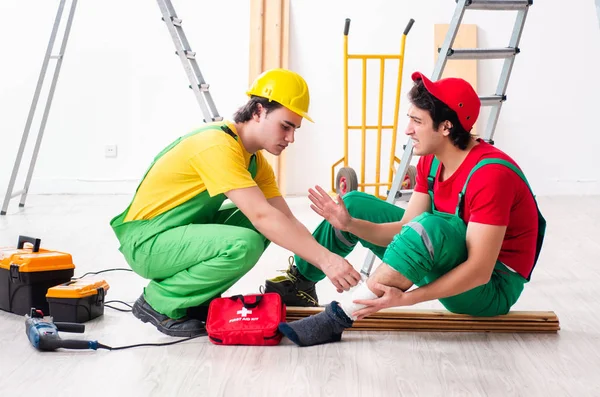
[
  {"x": 431, "y": 179},
  {"x": 461, "y": 195},
  {"x": 252, "y": 166},
  {"x": 541, "y": 220}
]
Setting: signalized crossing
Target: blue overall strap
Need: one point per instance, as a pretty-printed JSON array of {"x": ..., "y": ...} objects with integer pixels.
[
  {"x": 541, "y": 220},
  {"x": 431, "y": 179}
]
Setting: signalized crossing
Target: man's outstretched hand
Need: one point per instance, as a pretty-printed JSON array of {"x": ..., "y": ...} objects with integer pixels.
[{"x": 334, "y": 212}]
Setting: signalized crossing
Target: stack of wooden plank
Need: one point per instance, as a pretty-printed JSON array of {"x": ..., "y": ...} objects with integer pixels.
[{"x": 443, "y": 321}]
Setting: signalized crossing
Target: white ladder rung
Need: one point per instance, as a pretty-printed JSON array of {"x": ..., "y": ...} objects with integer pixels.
[
  {"x": 189, "y": 62},
  {"x": 492, "y": 100},
  {"x": 498, "y": 5},
  {"x": 18, "y": 193},
  {"x": 202, "y": 87},
  {"x": 188, "y": 54},
  {"x": 482, "y": 53}
]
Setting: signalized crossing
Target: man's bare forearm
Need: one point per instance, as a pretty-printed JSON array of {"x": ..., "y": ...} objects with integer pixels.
[
  {"x": 300, "y": 226},
  {"x": 291, "y": 234},
  {"x": 380, "y": 234},
  {"x": 462, "y": 278}
]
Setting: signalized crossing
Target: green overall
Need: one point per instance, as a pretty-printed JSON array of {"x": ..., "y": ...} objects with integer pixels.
[
  {"x": 193, "y": 252},
  {"x": 427, "y": 247}
]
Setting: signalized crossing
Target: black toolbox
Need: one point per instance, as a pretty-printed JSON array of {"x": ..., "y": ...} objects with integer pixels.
[
  {"x": 77, "y": 301},
  {"x": 26, "y": 274}
]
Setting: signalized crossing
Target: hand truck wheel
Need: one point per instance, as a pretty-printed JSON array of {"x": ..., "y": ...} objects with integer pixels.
[{"x": 346, "y": 181}]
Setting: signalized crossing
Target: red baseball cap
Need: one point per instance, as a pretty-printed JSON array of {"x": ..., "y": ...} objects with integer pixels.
[{"x": 457, "y": 94}]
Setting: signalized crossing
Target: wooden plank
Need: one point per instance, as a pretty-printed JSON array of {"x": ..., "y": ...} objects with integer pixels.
[
  {"x": 273, "y": 34},
  {"x": 256, "y": 39},
  {"x": 281, "y": 173},
  {"x": 440, "y": 320},
  {"x": 480, "y": 327},
  {"x": 370, "y": 322},
  {"x": 455, "y": 330},
  {"x": 436, "y": 314},
  {"x": 449, "y": 325},
  {"x": 464, "y": 68},
  {"x": 269, "y": 48}
]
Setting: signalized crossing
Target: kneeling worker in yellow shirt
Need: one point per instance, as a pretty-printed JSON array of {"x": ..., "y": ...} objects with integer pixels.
[{"x": 179, "y": 232}]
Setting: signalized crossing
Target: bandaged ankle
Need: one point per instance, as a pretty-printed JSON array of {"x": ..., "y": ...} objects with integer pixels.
[{"x": 361, "y": 291}]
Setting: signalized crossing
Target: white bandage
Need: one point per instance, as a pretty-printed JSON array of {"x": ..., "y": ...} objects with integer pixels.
[{"x": 361, "y": 291}]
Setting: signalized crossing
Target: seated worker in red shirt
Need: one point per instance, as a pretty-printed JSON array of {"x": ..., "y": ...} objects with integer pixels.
[{"x": 470, "y": 235}]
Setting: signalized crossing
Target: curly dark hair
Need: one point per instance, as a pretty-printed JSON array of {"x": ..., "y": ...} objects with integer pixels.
[
  {"x": 246, "y": 112},
  {"x": 439, "y": 112}
]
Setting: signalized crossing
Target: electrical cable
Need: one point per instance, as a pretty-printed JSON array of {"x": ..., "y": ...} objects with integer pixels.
[
  {"x": 102, "y": 271},
  {"x": 102, "y": 346},
  {"x": 106, "y": 304}
]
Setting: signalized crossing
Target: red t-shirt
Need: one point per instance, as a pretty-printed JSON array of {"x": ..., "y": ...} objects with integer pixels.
[{"x": 495, "y": 195}]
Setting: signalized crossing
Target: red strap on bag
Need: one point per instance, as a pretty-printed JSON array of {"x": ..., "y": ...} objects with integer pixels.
[{"x": 246, "y": 319}]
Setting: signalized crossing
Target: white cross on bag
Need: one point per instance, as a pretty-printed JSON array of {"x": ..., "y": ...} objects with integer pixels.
[{"x": 244, "y": 312}]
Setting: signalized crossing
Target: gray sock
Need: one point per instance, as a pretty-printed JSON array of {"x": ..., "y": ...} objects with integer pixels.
[{"x": 317, "y": 329}]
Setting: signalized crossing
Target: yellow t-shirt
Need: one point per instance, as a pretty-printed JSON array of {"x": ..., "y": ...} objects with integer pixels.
[{"x": 209, "y": 160}]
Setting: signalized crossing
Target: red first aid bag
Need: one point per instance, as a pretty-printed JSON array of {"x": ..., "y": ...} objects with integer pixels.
[{"x": 246, "y": 319}]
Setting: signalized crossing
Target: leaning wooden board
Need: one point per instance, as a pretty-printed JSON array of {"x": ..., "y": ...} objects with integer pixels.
[{"x": 443, "y": 321}]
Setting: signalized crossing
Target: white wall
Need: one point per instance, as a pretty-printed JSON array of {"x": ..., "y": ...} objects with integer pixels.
[
  {"x": 547, "y": 124},
  {"x": 122, "y": 84}
]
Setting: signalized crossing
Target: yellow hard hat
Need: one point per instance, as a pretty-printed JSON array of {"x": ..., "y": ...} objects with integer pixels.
[{"x": 283, "y": 86}]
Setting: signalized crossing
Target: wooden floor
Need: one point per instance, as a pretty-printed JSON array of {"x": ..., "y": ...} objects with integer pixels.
[{"x": 567, "y": 281}]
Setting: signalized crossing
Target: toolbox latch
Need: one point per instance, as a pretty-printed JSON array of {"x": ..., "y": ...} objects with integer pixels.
[
  {"x": 15, "y": 274},
  {"x": 100, "y": 295}
]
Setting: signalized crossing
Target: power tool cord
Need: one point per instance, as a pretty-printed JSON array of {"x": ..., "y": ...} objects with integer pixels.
[
  {"x": 101, "y": 346},
  {"x": 106, "y": 304},
  {"x": 112, "y": 301},
  {"x": 102, "y": 271}
]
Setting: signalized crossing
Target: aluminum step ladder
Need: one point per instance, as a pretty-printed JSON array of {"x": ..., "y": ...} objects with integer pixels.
[
  {"x": 186, "y": 55},
  {"x": 10, "y": 194},
  {"x": 447, "y": 52},
  {"x": 188, "y": 60}
]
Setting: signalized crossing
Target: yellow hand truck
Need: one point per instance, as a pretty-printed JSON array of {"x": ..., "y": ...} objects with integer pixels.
[{"x": 346, "y": 179}]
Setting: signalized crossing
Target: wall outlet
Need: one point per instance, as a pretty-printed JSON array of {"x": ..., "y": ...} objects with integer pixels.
[{"x": 110, "y": 151}]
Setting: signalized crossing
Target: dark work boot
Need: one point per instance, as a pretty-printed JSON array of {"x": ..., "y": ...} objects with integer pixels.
[
  {"x": 183, "y": 327},
  {"x": 200, "y": 312},
  {"x": 294, "y": 288}
]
